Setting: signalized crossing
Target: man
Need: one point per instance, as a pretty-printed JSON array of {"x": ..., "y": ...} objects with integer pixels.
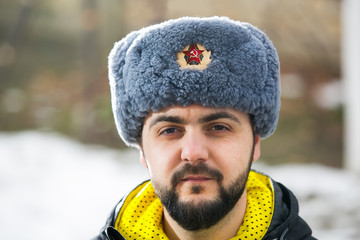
[{"x": 196, "y": 95}]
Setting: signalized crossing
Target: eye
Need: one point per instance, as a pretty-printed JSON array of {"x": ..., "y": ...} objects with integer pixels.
[
  {"x": 168, "y": 131},
  {"x": 219, "y": 127}
]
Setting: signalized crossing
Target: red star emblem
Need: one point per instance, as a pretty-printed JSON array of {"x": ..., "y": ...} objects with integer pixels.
[{"x": 193, "y": 55}]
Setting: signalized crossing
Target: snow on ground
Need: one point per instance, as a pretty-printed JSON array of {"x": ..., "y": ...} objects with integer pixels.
[{"x": 52, "y": 187}]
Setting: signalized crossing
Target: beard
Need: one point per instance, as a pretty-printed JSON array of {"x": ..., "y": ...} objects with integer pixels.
[{"x": 206, "y": 213}]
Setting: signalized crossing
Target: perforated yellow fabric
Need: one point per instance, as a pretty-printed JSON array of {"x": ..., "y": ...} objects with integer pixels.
[
  {"x": 259, "y": 209},
  {"x": 142, "y": 218},
  {"x": 141, "y": 215}
]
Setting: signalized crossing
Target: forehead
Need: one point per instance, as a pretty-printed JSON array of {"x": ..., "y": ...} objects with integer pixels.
[{"x": 195, "y": 111}]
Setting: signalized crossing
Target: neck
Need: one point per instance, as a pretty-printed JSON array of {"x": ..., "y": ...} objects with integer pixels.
[{"x": 224, "y": 229}]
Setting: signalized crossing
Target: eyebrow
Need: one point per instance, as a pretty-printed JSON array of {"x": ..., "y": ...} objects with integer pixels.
[
  {"x": 165, "y": 118},
  {"x": 218, "y": 115},
  {"x": 205, "y": 119}
]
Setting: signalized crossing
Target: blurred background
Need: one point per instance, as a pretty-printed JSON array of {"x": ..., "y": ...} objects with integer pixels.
[
  {"x": 53, "y": 67},
  {"x": 63, "y": 165}
]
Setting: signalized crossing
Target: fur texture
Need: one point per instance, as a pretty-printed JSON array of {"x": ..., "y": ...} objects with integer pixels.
[{"x": 145, "y": 76}]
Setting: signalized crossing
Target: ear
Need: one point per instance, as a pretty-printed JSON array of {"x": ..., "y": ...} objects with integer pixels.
[
  {"x": 142, "y": 157},
  {"x": 257, "y": 151}
]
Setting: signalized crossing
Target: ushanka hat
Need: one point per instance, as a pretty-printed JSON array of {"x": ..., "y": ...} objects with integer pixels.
[{"x": 214, "y": 62}]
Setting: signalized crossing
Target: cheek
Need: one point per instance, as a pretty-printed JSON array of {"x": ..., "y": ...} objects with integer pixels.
[
  {"x": 233, "y": 157},
  {"x": 234, "y": 150},
  {"x": 161, "y": 162}
]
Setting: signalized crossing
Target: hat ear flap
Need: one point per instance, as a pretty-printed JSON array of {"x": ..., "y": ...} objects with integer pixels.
[
  {"x": 116, "y": 64},
  {"x": 117, "y": 58},
  {"x": 272, "y": 57},
  {"x": 272, "y": 101}
]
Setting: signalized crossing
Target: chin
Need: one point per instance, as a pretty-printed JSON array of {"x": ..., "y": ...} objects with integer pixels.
[{"x": 199, "y": 198}]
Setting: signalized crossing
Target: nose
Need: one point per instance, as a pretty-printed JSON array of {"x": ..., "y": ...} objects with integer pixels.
[{"x": 194, "y": 147}]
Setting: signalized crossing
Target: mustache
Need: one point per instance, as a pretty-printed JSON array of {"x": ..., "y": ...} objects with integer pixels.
[{"x": 200, "y": 168}]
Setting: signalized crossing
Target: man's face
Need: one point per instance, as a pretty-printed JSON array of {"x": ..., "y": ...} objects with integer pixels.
[{"x": 198, "y": 159}]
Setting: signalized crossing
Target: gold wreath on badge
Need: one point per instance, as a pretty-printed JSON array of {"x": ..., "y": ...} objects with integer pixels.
[{"x": 194, "y": 56}]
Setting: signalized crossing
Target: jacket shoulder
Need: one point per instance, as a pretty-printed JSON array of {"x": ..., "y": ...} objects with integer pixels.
[
  {"x": 108, "y": 231},
  {"x": 286, "y": 222}
]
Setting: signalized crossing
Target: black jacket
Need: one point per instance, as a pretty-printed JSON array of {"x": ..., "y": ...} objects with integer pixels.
[{"x": 285, "y": 223}]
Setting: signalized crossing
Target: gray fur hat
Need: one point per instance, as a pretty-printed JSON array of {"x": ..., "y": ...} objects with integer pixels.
[{"x": 214, "y": 62}]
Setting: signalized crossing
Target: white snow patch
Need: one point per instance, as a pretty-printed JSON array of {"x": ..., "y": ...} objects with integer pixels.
[
  {"x": 329, "y": 198},
  {"x": 54, "y": 187}
]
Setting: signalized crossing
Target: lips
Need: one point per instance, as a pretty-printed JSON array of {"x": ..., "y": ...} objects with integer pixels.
[
  {"x": 195, "y": 178},
  {"x": 195, "y": 174}
]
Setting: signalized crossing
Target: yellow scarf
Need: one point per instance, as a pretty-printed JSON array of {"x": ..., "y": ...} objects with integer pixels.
[{"x": 141, "y": 215}]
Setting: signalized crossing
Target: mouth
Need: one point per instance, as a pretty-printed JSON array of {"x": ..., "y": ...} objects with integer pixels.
[
  {"x": 198, "y": 174},
  {"x": 195, "y": 179}
]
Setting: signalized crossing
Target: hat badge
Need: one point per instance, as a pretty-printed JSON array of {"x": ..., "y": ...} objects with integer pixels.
[{"x": 194, "y": 56}]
